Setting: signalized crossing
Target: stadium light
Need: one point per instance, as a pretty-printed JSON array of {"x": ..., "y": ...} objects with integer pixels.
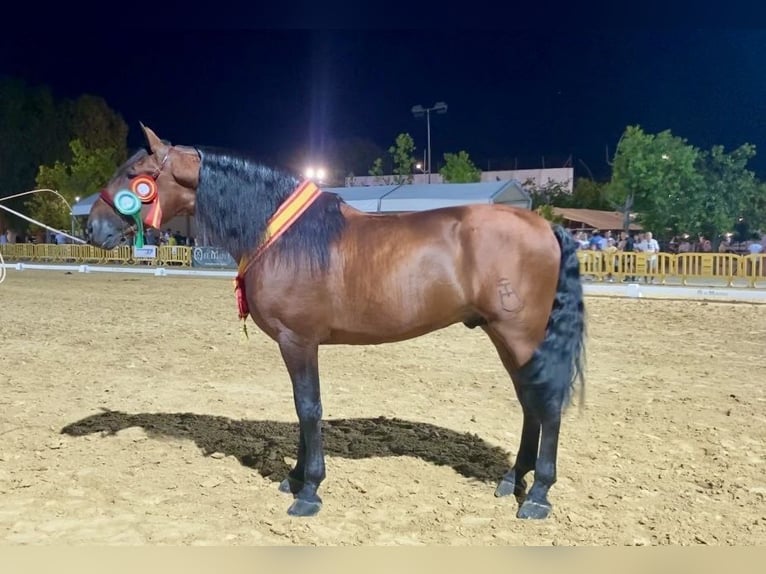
[
  {"x": 418, "y": 111},
  {"x": 318, "y": 174}
]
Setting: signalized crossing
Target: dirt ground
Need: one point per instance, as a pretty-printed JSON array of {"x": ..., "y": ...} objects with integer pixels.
[{"x": 133, "y": 412}]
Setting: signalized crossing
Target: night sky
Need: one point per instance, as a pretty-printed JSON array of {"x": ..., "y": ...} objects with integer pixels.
[{"x": 512, "y": 95}]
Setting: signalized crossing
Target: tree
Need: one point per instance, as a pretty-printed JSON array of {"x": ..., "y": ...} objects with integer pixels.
[
  {"x": 588, "y": 194},
  {"x": 730, "y": 192},
  {"x": 656, "y": 176},
  {"x": 548, "y": 213},
  {"x": 31, "y": 131},
  {"x": 757, "y": 214},
  {"x": 377, "y": 169},
  {"x": 676, "y": 188},
  {"x": 96, "y": 125},
  {"x": 36, "y": 130},
  {"x": 401, "y": 155},
  {"x": 458, "y": 168},
  {"x": 86, "y": 173},
  {"x": 553, "y": 193}
]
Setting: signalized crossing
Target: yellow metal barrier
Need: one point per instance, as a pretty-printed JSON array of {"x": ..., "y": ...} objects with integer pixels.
[
  {"x": 69, "y": 253},
  {"x": 591, "y": 264},
  {"x": 17, "y": 251},
  {"x": 619, "y": 265},
  {"x": 754, "y": 268},
  {"x": 174, "y": 255}
]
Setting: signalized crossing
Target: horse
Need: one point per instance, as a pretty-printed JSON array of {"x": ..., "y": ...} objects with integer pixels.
[{"x": 315, "y": 271}]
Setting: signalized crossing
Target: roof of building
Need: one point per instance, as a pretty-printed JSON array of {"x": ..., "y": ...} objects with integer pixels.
[
  {"x": 419, "y": 197},
  {"x": 597, "y": 219},
  {"x": 82, "y": 207}
]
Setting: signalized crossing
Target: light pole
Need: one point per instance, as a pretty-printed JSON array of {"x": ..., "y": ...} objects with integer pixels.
[
  {"x": 418, "y": 111},
  {"x": 71, "y": 214}
]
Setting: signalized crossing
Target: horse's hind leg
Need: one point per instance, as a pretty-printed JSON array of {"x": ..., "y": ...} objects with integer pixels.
[
  {"x": 547, "y": 409},
  {"x": 539, "y": 436},
  {"x": 526, "y": 458},
  {"x": 514, "y": 482}
]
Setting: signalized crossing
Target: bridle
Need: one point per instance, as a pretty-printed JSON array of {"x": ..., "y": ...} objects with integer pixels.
[{"x": 128, "y": 202}]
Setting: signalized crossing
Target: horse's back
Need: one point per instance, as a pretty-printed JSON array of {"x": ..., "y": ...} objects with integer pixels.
[
  {"x": 480, "y": 232},
  {"x": 427, "y": 221},
  {"x": 472, "y": 246}
]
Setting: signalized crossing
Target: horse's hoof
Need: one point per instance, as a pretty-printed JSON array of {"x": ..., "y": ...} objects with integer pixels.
[
  {"x": 505, "y": 488},
  {"x": 290, "y": 486},
  {"x": 304, "y": 508},
  {"x": 534, "y": 510}
]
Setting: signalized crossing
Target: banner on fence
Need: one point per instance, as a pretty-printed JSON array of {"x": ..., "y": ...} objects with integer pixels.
[
  {"x": 212, "y": 257},
  {"x": 145, "y": 252}
]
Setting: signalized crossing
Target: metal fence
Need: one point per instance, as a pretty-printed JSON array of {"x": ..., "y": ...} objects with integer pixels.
[{"x": 658, "y": 268}]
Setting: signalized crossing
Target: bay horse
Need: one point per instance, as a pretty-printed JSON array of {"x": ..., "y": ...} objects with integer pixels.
[{"x": 315, "y": 271}]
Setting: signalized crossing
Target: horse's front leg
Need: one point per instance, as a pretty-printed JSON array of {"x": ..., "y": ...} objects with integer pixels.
[
  {"x": 295, "y": 478},
  {"x": 302, "y": 365}
]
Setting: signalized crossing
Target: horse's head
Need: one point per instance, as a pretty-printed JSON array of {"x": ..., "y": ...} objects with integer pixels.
[{"x": 162, "y": 178}]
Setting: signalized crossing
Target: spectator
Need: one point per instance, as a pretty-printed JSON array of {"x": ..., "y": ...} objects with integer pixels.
[
  {"x": 754, "y": 246},
  {"x": 650, "y": 246},
  {"x": 597, "y": 241},
  {"x": 627, "y": 245}
]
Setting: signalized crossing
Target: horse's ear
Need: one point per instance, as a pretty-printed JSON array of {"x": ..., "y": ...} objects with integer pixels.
[{"x": 154, "y": 143}]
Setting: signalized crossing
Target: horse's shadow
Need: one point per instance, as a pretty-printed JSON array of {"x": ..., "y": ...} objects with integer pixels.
[{"x": 263, "y": 445}]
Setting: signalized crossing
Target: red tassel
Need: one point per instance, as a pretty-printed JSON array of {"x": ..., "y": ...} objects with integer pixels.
[{"x": 239, "y": 290}]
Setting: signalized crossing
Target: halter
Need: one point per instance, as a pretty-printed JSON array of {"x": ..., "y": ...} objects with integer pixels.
[{"x": 143, "y": 189}]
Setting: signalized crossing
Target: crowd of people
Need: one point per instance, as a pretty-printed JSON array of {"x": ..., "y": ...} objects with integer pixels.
[
  {"x": 167, "y": 237},
  {"x": 624, "y": 241},
  {"x": 644, "y": 242}
]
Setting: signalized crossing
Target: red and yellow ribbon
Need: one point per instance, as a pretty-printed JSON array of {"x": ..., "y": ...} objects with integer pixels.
[{"x": 287, "y": 214}]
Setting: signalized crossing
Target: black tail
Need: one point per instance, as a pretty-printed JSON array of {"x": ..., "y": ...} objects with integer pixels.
[{"x": 560, "y": 360}]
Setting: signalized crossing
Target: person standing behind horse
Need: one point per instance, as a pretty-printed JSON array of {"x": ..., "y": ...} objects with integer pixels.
[
  {"x": 627, "y": 245},
  {"x": 650, "y": 246}
]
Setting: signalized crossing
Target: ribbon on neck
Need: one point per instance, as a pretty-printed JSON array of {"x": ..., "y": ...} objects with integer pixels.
[{"x": 286, "y": 215}]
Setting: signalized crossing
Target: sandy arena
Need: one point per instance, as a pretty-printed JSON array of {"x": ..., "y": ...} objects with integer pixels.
[{"x": 176, "y": 431}]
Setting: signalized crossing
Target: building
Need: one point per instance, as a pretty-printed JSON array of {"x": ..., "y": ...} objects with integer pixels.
[
  {"x": 420, "y": 197},
  {"x": 590, "y": 219},
  {"x": 538, "y": 177}
]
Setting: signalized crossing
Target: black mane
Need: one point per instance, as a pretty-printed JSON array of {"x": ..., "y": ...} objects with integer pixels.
[{"x": 236, "y": 196}]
